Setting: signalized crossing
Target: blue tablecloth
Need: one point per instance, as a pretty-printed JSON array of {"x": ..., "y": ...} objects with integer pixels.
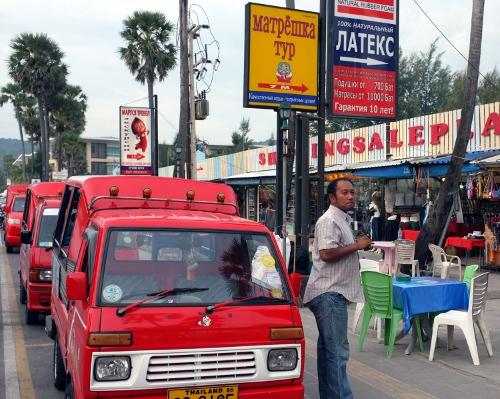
[{"x": 428, "y": 294}]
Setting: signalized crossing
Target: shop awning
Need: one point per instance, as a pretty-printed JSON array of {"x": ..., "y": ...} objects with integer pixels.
[
  {"x": 437, "y": 167},
  {"x": 252, "y": 178},
  {"x": 445, "y": 159},
  {"x": 386, "y": 172},
  {"x": 489, "y": 162},
  {"x": 364, "y": 165}
]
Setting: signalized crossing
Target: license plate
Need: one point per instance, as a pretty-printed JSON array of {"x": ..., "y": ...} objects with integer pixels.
[{"x": 216, "y": 392}]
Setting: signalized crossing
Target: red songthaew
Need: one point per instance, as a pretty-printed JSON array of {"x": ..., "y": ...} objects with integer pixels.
[{"x": 161, "y": 290}]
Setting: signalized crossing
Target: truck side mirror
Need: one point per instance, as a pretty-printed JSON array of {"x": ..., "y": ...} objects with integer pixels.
[
  {"x": 76, "y": 286},
  {"x": 296, "y": 280},
  {"x": 6, "y": 209},
  {"x": 25, "y": 237}
]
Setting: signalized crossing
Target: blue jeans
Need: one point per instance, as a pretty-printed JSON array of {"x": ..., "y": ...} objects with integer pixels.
[{"x": 330, "y": 311}]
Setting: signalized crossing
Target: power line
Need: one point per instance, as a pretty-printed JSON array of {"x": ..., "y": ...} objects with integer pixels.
[
  {"x": 136, "y": 101},
  {"x": 207, "y": 68},
  {"x": 452, "y": 45}
]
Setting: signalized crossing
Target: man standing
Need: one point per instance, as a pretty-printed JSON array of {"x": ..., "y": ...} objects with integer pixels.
[{"x": 333, "y": 283}]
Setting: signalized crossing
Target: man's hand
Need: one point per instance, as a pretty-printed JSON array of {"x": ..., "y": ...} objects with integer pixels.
[{"x": 364, "y": 242}]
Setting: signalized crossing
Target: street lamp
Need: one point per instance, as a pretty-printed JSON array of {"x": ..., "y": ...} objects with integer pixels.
[{"x": 285, "y": 112}]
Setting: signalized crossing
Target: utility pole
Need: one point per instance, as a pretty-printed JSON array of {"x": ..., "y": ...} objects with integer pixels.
[
  {"x": 321, "y": 108},
  {"x": 192, "y": 34},
  {"x": 184, "y": 90}
]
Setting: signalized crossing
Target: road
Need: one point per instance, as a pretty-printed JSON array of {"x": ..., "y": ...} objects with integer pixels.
[{"x": 26, "y": 360}]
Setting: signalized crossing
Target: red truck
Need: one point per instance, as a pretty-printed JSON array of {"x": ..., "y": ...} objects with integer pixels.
[
  {"x": 35, "y": 255},
  {"x": 161, "y": 290},
  {"x": 14, "y": 207}
]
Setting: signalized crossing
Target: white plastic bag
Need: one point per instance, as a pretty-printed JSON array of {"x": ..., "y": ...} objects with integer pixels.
[{"x": 288, "y": 248}]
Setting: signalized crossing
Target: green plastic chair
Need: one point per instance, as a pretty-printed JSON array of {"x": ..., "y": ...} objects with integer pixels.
[
  {"x": 469, "y": 274},
  {"x": 377, "y": 288}
]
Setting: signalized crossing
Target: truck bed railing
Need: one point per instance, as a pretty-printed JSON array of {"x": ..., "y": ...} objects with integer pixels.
[{"x": 162, "y": 203}]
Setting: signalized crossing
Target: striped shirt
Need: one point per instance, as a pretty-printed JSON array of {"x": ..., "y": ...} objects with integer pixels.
[{"x": 333, "y": 230}]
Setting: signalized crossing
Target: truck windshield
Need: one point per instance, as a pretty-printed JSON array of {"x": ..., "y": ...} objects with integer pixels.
[
  {"x": 47, "y": 227},
  {"x": 18, "y": 204},
  {"x": 218, "y": 266}
]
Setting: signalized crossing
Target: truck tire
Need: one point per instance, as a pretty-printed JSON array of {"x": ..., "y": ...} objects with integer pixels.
[
  {"x": 70, "y": 394},
  {"x": 30, "y": 316},
  {"x": 58, "y": 367},
  {"x": 22, "y": 293}
]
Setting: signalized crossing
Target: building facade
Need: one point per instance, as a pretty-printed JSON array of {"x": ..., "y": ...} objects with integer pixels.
[{"x": 102, "y": 155}]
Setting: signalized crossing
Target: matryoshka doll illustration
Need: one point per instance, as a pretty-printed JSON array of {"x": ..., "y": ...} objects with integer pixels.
[{"x": 140, "y": 131}]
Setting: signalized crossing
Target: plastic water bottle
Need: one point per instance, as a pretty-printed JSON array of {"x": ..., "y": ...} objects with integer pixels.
[{"x": 400, "y": 234}]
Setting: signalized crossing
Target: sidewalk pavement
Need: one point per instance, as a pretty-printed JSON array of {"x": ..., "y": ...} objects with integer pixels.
[{"x": 451, "y": 374}]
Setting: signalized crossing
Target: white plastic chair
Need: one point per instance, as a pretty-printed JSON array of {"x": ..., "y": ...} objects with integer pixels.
[
  {"x": 441, "y": 262},
  {"x": 405, "y": 255},
  {"x": 466, "y": 320},
  {"x": 364, "y": 265}
]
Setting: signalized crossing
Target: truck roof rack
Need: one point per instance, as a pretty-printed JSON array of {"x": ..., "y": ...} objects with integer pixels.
[{"x": 163, "y": 203}]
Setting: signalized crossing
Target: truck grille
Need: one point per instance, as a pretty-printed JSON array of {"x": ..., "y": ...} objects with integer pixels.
[{"x": 187, "y": 367}]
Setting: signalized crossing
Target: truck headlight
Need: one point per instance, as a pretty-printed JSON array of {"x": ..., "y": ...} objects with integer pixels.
[
  {"x": 282, "y": 359},
  {"x": 112, "y": 368},
  {"x": 45, "y": 275},
  {"x": 13, "y": 221},
  {"x": 40, "y": 275}
]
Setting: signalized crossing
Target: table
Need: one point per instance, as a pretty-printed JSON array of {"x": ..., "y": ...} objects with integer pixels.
[
  {"x": 428, "y": 294},
  {"x": 410, "y": 234},
  {"x": 466, "y": 243},
  {"x": 389, "y": 249}
]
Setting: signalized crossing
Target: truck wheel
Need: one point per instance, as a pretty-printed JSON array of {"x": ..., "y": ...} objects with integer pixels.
[
  {"x": 70, "y": 394},
  {"x": 22, "y": 293},
  {"x": 58, "y": 367},
  {"x": 30, "y": 316}
]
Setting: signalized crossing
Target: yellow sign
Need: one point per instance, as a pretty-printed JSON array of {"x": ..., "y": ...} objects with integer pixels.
[
  {"x": 281, "y": 57},
  {"x": 223, "y": 392}
]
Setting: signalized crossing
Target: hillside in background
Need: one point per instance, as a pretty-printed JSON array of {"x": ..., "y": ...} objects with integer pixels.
[{"x": 11, "y": 146}]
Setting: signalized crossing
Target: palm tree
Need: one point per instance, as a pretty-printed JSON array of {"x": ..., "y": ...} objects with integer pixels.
[
  {"x": 67, "y": 113},
  {"x": 31, "y": 124},
  {"x": 36, "y": 66},
  {"x": 13, "y": 93},
  {"x": 149, "y": 54},
  {"x": 436, "y": 221}
]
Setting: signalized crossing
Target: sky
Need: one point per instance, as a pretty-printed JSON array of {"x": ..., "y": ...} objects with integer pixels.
[{"x": 87, "y": 31}]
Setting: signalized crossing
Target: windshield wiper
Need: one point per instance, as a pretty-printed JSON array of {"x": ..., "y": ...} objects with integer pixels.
[
  {"x": 155, "y": 295},
  {"x": 260, "y": 298}
]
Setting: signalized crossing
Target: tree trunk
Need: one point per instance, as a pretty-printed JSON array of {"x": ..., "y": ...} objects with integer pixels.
[
  {"x": 59, "y": 150},
  {"x": 43, "y": 137},
  {"x": 152, "y": 139},
  {"x": 32, "y": 158},
  {"x": 436, "y": 221},
  {"x": 184, "y": 89},
  {"x": 23, "y": 159},
  {"x": 47, "y": 141}
]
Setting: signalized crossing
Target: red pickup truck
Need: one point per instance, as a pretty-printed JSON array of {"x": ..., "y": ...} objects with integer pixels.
[
  {"x": 14, "y": 207},
  {"x": 161, "y": 290},
  {"x": 35, "y": 255}
]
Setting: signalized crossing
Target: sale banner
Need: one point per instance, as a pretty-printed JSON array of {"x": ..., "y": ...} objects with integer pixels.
[
  {"x": 281, "y": 57},
  {"x": 135, "y": 141},
  {"x": 363, "y": 61}
]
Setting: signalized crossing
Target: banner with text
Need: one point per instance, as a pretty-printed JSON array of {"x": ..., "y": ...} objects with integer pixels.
[
  {"x": 363, "y": 61},
  {"x": 135, "y": 144},
  {"x": 281, "y": 57}
]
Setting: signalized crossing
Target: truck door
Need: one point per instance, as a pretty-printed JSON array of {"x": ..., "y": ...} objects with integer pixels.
[{"x": 61, "y": 264}]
